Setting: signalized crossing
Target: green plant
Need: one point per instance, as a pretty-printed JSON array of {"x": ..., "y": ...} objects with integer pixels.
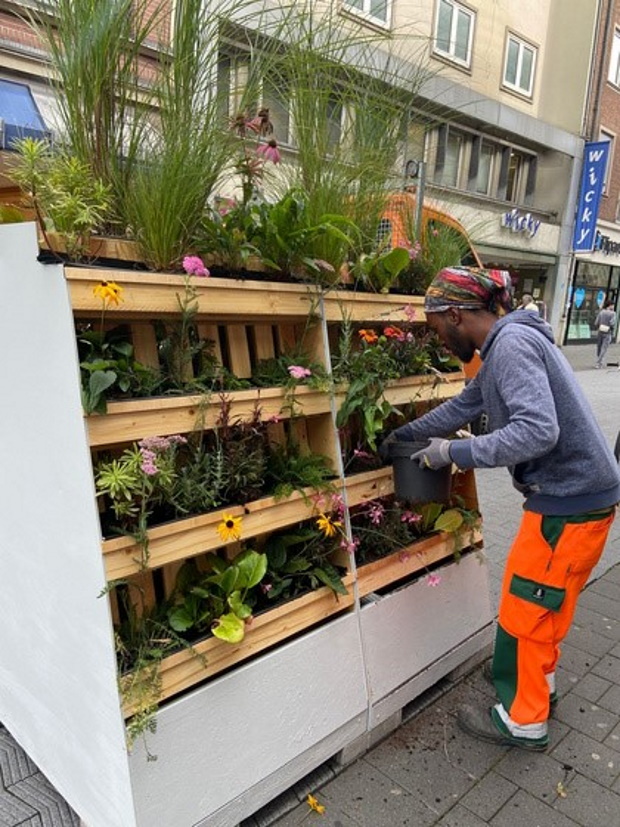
[
  {"x": 65, "y": 194},
  {"x": 380, "y": 270},
  {"x": 288, "y": 470},
  {"x": 221, "y": 600},
  {"x": 441, "y": 246}
]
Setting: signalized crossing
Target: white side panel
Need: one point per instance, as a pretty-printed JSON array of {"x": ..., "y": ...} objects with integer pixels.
[
  {"x": 58, "y": 694},
  {"x": 234, "y": 734},
  {"x": 407, "y": 631}
]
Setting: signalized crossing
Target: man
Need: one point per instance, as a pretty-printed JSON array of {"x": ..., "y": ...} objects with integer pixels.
[
  {"x": 543, "y": 430},
  {"x": 528, "y": 303},
  {"x": 604, "y": 323}
]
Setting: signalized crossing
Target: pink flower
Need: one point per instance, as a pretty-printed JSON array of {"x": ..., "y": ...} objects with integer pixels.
[
  {"x": 376, "y": 512},
  {"x": 194, "y": 266},
  {"x": 361, "y": 454},
  {"x": 410, "y": 517},
  {"x": 433, "y": 580},
  {"x": 299, "y": 372},
  {"x": 350, "y": 545},
  {"x": 270, "y": 151}
]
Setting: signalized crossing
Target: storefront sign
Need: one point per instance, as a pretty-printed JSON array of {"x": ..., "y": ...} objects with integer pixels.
[
  {"x": 520, "y": 222},
  {"x": 606, "y": 245},
  {"x": 592, "y": 179}
]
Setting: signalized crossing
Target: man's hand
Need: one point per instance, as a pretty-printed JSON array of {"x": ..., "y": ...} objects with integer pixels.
[{"x": 436, "y": 454}]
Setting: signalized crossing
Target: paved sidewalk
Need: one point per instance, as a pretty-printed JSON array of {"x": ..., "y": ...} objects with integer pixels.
[{"x": 428, "y": 773}]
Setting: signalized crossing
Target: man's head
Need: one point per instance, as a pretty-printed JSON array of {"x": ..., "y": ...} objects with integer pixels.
[
  {"x": 463, "y": 303},
  {"x": 527, "y": 299}
]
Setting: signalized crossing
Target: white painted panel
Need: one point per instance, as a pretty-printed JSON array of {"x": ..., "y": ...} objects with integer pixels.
[
  {"x": 58, "y": 692},
  {"x": 406, "y": 631},
  {"x": 234, "y": 733}
]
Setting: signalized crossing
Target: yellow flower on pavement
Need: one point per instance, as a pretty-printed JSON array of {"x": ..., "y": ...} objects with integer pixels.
[
  {"x": 109, "y": 292},
  {"x": 328, "y": 526},
  {"x": 314, "y": 805},
  {"x": 230, "y": 528}
]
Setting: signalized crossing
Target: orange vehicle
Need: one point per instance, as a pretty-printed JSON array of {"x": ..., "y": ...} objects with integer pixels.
[{"x": 398, "y": 223}]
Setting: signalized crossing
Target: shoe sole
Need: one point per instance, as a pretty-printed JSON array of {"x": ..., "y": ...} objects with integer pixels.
[{"x": 502, "y": 740}]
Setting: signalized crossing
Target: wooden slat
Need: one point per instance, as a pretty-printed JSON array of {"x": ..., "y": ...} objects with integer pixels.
[
  {"x": 415, "y": 558},
  {"x": 263, "y": 341},
  {"x": 185, "y": 669},
  {"x": 238, "y": 350},
  {"x": 322, "y": 439},
  {"x": 145, "y": 344},
  {"x": 210, "y": 332}
]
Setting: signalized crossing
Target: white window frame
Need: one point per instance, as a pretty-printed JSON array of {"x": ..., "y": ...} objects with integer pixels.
[
  {"x": 608, "y": 135},
  {"x": 613, "y": 75},
  {"x": 366, "y": 13},
  {"x": 457, "y": 10},
  {"x": 522, "y": 46}
]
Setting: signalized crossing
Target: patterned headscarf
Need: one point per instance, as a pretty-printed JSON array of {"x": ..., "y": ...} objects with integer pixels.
[{"x": 469, "y": 288}]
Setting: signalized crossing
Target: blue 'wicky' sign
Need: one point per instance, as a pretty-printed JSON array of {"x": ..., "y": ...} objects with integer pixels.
[{"x": 592, "y": 180}]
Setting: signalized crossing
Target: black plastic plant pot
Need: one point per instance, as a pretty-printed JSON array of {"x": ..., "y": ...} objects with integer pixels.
[{"x": 415, "y": 484}]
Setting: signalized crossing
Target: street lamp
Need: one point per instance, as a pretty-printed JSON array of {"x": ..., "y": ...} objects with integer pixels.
[{"x": 416, "y": 170}]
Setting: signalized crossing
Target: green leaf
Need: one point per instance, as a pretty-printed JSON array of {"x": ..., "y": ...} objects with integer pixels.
[
  {"x": 229, "y": 627},
  {"x": 181, "y": 619},
  {"x": 395, "y": 261},
  {"x": 252, "y": 569},
  {"x": 240, "y": 608},
  {"x": 451, "y": 520},
  {"x": 99, "y": 381},
  {"x": 331, "y": 579}
]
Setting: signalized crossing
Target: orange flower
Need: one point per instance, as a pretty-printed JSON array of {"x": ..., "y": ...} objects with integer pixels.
[
  {"x": 369, "y": 336},
  {"x": 393, "y": 333}
]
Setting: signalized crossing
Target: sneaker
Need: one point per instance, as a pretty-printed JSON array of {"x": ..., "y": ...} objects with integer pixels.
[
  {"x": 486, "y": 725},
  {"x": 487, "y": 674}
]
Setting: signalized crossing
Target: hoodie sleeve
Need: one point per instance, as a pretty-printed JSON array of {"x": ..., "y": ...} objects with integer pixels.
[
  {"x": 447, "y": 417},
  {"x": 520, "y": 386}
]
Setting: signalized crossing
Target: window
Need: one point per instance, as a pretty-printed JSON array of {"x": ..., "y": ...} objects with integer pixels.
[
  {"x": 614, "y": 60},
  {"x": 454, "y": 31},
  {"x": 276, "y": 97},
  {"x": 519, "y": 65},
  {"x": 485, "y": 168},
  {"x": 450, "y": 145},
  {"x": 607, "y": 136},
  {"x": 378, "y": 11}
]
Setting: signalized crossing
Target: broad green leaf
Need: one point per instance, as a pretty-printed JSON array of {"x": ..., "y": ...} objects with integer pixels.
[
  {"x": 330, "y": 579},
  {"x": 451, "y": 520},
  {"x": 240, "y": 608},
  {"x": 99, "y": 381},
  {"x": 180, "y": 619},
  {"x": 251, "y": 569},
  {"x": 229, "y": 627}
]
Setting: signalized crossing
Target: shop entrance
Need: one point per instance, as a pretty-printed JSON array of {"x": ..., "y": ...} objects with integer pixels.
[{"x": 593, "y": 284}]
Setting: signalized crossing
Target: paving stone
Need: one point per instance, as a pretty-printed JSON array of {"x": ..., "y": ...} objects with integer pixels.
[
  {"x": 588, "y": 640},
  {"x": 523, "y": 810},
  {"x": 14, "y": 763},
  {"x": 366, "y": 795},
  {"x": 586, "y": 716},
  {"x": 38, "y": 793},
  {"x": 593, "y": 759},
  {"x": 592, "y": 688},
  {"x": 537, "y": 773},
  {"x": 615, "y": 652},
  {"x": 589, "y": 804},
  {"x": 613, "y": 739},
  {"x": 489, "y": 795},
  {"x": 599, "y": 603},
  {"x": 609, "y": 668},
  {"x": 13, "y": 811},
  {"x": 461, "y": 817},
  {"x": 608, "y": 588},
  {"x": 606, "y": 626},
  {"x": 575, "y": 660},
  {"x": 433, "y": 775},
  {"x": 611, "y": 699}
]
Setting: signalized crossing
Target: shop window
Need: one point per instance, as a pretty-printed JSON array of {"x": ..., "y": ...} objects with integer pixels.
[
  {"x": 448, "y": 158},
  {"x": 515, "y": 180},
  {"x": 454, "y": 29},
  {"x": 519, "y": 65},
  {"x": 481, "y": 165},
  {"x": 377, "y": 11}
]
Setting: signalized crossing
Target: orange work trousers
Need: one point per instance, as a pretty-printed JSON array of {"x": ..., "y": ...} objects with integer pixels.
[{"x": 549, "y": 563}]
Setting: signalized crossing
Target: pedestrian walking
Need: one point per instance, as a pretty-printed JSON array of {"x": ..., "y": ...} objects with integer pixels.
[
  {"x": 541, "y": 427},
  {"x": 605, "y": 324}
]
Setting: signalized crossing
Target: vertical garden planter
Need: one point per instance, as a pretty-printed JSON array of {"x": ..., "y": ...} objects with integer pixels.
[{"x": 369, "y": 651}]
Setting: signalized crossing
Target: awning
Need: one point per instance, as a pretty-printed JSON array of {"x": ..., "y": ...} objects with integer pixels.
[
  {"x": 514, "y": 256},
  {"x": 19, "y": 114}
]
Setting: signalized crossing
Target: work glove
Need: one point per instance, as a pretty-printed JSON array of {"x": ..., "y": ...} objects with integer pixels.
[
  {"x": 384, "y": 448},
  {"x": 436, "y": 454}
]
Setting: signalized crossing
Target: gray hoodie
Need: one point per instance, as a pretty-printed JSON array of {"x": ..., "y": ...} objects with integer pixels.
[{"x": 541, "y": 425}]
